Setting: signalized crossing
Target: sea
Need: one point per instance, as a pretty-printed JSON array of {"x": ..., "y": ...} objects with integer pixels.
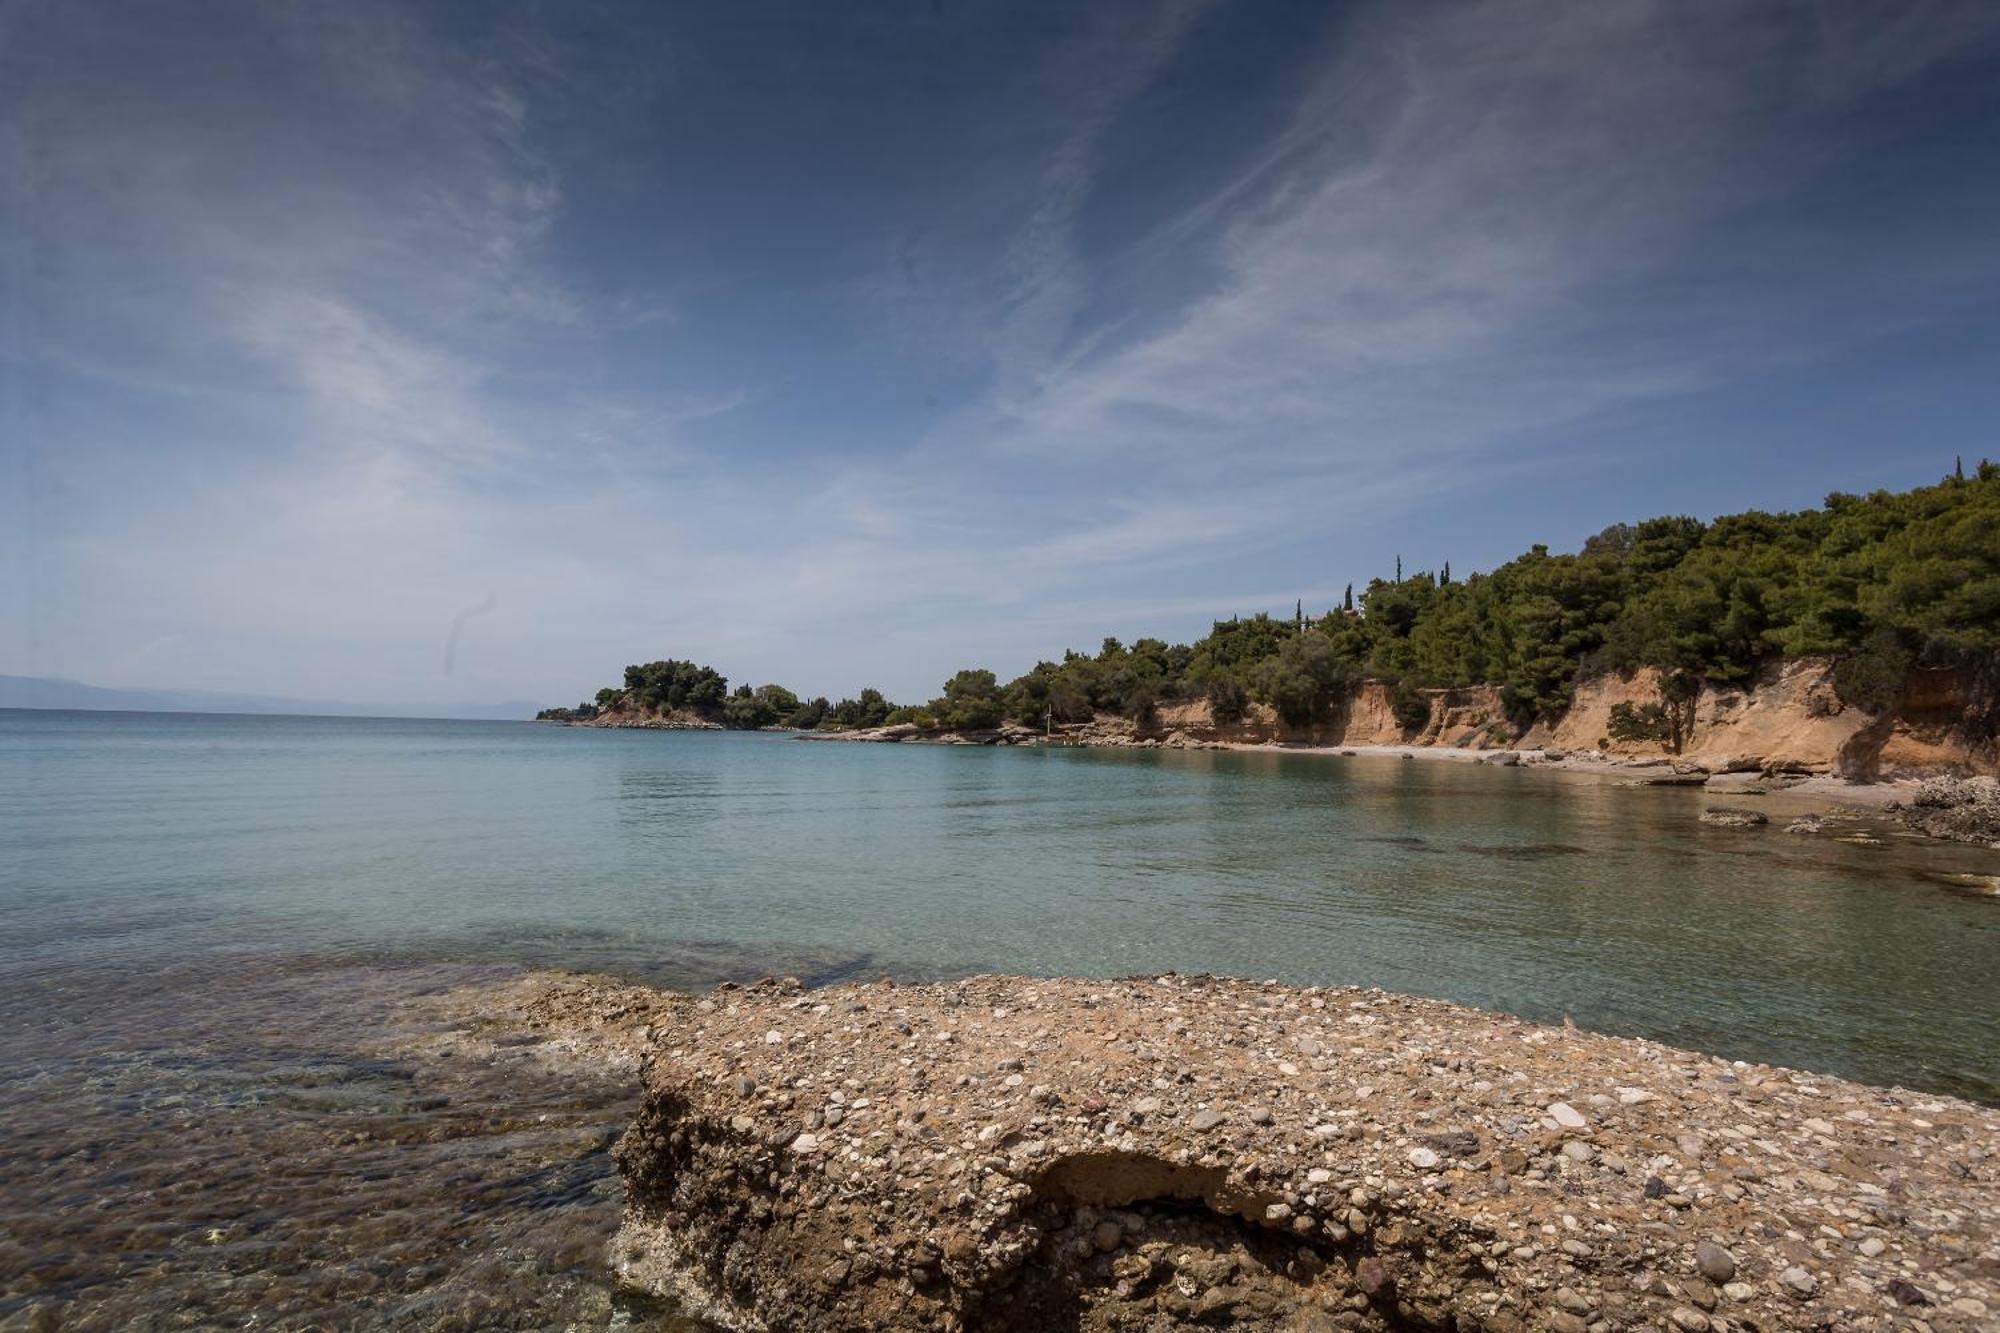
[{"x": 212, "y": 926}]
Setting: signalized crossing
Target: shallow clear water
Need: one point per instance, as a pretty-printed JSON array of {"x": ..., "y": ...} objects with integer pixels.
[
  {"x": 132, "y": 837},
  {"x": 207, "y": 924}
]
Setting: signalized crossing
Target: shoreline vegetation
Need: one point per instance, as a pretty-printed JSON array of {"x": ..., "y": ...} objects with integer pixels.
[
  {"x": 1882, "y": 608},
  {"x": 1859, "y": 642}
]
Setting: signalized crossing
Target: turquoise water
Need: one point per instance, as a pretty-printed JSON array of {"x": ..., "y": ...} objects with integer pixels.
[{"x": 129, "y": 840}]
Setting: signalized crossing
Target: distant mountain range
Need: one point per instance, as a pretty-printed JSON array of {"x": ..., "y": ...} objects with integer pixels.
[{"x": 44, "y": 692}]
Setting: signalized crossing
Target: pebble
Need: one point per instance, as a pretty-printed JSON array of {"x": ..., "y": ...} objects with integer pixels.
[
  {"x": 1723, "y": 1168},
  {"x": 1714, "y": 1263}
]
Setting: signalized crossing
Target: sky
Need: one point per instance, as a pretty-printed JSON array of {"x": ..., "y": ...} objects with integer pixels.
[{"x": 393, "y": 352}]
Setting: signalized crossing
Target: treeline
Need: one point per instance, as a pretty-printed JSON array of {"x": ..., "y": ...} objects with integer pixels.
[
  {"x": 674, "y": 686},
  {"x": 1882, "y": 582}
]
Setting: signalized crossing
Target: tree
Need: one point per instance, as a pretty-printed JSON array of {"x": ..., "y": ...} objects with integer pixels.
[
  {"x": 971, "y": 702},
  {"x": 1304, "y": 680},
  {"x": 1410, "y": 706},
  {"x": 750, "y": 709},
  {"x": 808, "y": 716},
  {"x": 1228, "y": 700},
  {"x": 1879, "y": 582},
  {"x": 869, "y": 710}
]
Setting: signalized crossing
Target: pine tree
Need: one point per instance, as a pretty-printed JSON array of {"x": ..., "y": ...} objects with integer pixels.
[
  {"x": 1399, "y": 569},
  {"x": 1958, "y": 468},
  {"x": 1445, "y": 577},
  {"x": 1299, "y": 616},
  {"x": 1347, "y": 602}
]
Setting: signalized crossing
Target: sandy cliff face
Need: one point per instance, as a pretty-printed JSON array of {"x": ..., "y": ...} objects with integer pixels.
[
  {"x": 1792, "y": 718},
  {"x": 1949, "y": 721},
  {"x": 1461, "y": 717},
  {"x": 1789, "y": 719}
]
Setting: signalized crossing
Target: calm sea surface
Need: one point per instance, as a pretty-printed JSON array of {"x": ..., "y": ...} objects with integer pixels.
[{"x": 196, "y": 911}]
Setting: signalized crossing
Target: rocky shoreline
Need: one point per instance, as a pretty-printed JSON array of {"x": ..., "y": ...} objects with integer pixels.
[
  {"x": 1188, "y": 1151},
  {"x": 1814, "y": 801}
]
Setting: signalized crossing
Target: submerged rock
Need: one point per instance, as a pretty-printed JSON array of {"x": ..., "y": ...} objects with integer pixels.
[
  {"x": 1729, "y": 816},
  {"x": 1406, "y": 1168}
]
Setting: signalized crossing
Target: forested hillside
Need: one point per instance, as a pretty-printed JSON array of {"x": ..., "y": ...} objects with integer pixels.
[{"x": 1883, "y": 582}]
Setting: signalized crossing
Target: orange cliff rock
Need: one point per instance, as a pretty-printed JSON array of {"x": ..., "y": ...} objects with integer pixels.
[{"x": 1790, "y": 718}]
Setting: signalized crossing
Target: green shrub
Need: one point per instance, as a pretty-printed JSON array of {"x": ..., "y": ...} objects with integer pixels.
[
  {"x": 1228, "y": 701},
  {"x": 1411, "y": 706},
  {"x": 1873, "y": 679}
]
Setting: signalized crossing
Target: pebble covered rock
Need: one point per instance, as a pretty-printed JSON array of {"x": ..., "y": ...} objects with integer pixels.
[{"x": 1171, "y": 1151}]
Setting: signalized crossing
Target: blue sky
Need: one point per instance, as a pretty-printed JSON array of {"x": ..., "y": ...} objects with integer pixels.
[{"x": 841, "y": 345}]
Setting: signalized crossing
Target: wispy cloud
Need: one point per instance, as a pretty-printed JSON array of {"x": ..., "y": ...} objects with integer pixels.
[
  {"x": 1420, "y": 264},
  {"x": 321, "y": 326},
  {"x": 1044, "y": 282}
]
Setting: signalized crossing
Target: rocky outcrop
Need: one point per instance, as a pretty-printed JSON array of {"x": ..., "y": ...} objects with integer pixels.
[
  {"x": 1156, "y": 1153},
  {"x": 648, "y": 719},
  {"x": 1962, "y": 809}
]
